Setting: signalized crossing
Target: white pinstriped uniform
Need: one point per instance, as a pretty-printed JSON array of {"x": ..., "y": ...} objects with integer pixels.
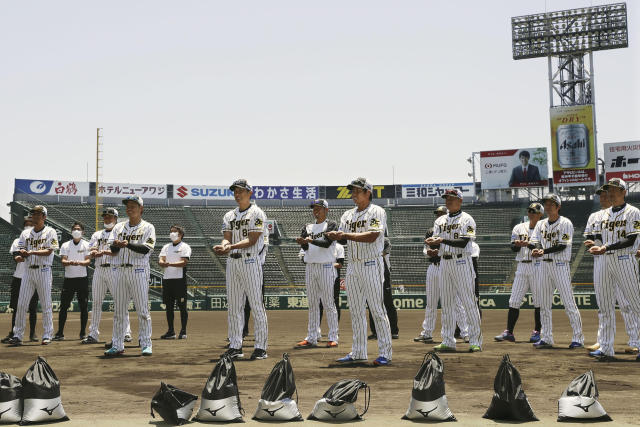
[
  {"x": 457, "y": 277},
  {"x": 365, "y": 278},
  {"x": 320, "y": 275},
  {"x": 621, "y": 271},
  {"x": 556, "y": 274},
  {"x": 104, "y": 279},
  {"x": 527, "y": 276},
  {"x": 37, "y": 278},
  {"x": 132, "y": 280},
  {"x": 244, "y": 275}
]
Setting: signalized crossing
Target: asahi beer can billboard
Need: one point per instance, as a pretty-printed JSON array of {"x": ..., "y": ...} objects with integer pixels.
[{"x": 573, "y": 146}]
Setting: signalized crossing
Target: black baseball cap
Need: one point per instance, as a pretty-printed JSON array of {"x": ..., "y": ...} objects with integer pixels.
[
  {"x": 240, "y": 183},
  {"x": 616, "y": 183},
  {"x": 535, "y": 207},
  {"x": 440, "y": 210},
  {"x": 360, "y": 183}
]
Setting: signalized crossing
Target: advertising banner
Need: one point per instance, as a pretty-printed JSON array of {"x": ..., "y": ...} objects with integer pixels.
[
  {"x": 288, "y": 192},
  {"x": 51, "y": 187},
  {"x": 379, "y": 192},
  {"x": 573, "y": 146},
  {"x": 146, "y": 191},
  {"x": 523, "y": 167},
  {"x": 202, "y": 192},
  {"x": 622, "y": 160},
  {"x": 414, "y": 191}
]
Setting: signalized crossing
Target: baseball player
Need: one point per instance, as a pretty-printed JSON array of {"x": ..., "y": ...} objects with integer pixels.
[
  {"x": 593, "y": 234},
  {"x": 320, "y": 274},
  {"x": 75, "y": 258},
  {"x": 132, "y": 242},
  {"x": 363, "y": 229},
  {"x": 452, "y": 240},
  {"x": 243, "y": 239},
  {"x": 15, "y": 289},
  {"x": 551, "y": 242},
  {"x": 247, "y": 306},
  {"x": 619, "y": 228},
  {"x": 392, "y": 313},
  {"x": 527, "y": 274},
  {"x": 36, "y": 245},
  {"x": 174, "y": 257},
  {"x": 104, "y": 276}
]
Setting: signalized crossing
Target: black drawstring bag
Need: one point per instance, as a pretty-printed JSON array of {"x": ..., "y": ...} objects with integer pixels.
[
  {"x": 428, "y": 400},
  {"x": 276, "y": 403},
  {"x": 338, "y": 403},
  {"x": 579, "y": 401},
  {"x": 10, "y": 399},
  {"x": 509, "y": 401},
  {"x": 220, "y": 396},
  {"x": 173, "y": 405},
  {"x": 41, "y": 395}
]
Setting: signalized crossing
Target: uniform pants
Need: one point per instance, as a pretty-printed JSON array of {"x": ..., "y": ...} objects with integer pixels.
[
  {"x": 35, "y": 280},
  {"x": 392, "y": 313},
  {"x": 244, "y": 280},
  {"x": 13, "y": 304},
  {"x": 432, "y": 289},
  {"x": 132, "y": 283},
  {"x": 174, "y": 291},
  {"x": 320, "y": 279},
  {"x": 364, "y": 283},
  {"x": 78, "y": 286},
  {"x": 104, "y": 279},
  {"x": 458, "y": 279},
  {"x": 557, "y": 275},
  {"x": 621, "y": 273},
  {"x": 527, "y": 279},
  {"x": 336, "y": 297}
]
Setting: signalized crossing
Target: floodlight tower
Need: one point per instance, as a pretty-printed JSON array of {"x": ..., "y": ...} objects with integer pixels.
[{"x": 568, "y": 39}]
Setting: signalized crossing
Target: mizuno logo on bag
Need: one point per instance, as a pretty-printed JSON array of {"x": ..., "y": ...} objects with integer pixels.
[
  {"x": 426, "y": 413},
  {"x": 273, "y": 413},
  {"x": 213, "y": 412},
  {"x": 334, "y": 415},
  {"x": 50, "y": 411},
  {"x": 584, "y": 408}
]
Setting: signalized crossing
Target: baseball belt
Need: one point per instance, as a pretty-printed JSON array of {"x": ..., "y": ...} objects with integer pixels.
[
  {"x": 237, "y": 255},
  {"x": 526, "y": 262},
  {"x": 37, "y": 266},
  {"x": 105, "y": 265},
  {"x": 451, "y": 256}
]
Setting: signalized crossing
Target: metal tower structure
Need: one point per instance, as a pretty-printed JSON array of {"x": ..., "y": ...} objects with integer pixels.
[{"x": 99, "y": 160}]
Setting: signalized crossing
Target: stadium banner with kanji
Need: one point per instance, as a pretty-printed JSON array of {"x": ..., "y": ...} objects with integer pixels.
[
  {"x": 622, "y": 160},
  {"x": 379, "y": 192},
  {"x": 146, "y": 191},
  {"x": 422, "y": 191},
  {"x": 284, "y": 192},
  {"x": 573, "y": 145},
  {"x": 523, "y": 167},
  {"x": 53, "y": 187},
  {"x": 300, "y": 302}
]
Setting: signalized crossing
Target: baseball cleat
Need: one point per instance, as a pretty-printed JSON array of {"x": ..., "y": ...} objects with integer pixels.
[
  {"x": 466, "y": 338},
  {"x": 170, "y": 335},
  {"x": 14, "y": 342},
  {"x": 372, "y": 337},
  {"x": 82, "y": 336},
  {"x": 113, "y": 352},
  {"x": 146, "y": 350},
  {"x": 395, "y": 336},
  {"x": 127, "y": 338},
  {"x": 182, "y": 335},
  {"x": 58, "y": 337},
  {"x": 381, "y": 361},
  {"x": 444, "y": 348},
  {"x": 535, "y": 336},
  {"x": 596, "y": 353},
  {"x": 258, "y": 354},
  {"x": 108, "y": 345},
  {"x": 631, "y": 350},
  {"x": 600, "y": 356},
  {"x": 332, "y": 344},
  {"x": 349, "y": 359},
  {"x": 305, "y": 344},
  {"x": 542, "y": 344},
  {"x": 474, "y": 348},
  {"x": 505, "y": 336},
  {"x": 575, "y": 344},
  {"x": 33, "y": 338},
  {"x": 234, "y": 353},
  {"x": 593, "y": 347},
  {"x": 6, "y": 339},
  {"x": 423, "y": 338},
  {"x": 46, "y": 341},
  {"x": 89, "y": 340}
]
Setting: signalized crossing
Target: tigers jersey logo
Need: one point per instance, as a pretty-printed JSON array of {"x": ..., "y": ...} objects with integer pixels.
[
  {"x": 150, "y": 241},
  {"x": 470, "y": 230},
  {"x": 374, "y": 223},
  {"x": 258, "y": 223},
  {"x": 54, "y": 242},
  {"x": 565, "y": 237},
  {"x": 636, "y": 225}
]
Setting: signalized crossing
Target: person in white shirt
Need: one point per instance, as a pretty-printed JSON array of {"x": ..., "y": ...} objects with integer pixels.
[
  {"x": 15, "y": 290},
  {"x": 174, "y": 257},
  {"x": 75, "y": 258}
]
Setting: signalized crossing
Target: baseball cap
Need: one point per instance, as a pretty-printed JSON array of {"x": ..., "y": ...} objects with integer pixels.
[
  {"x": 133, "y": 198},
  {"x": 110, "y": 211},
  {"x": 360, "y": 183},
  {"x": 440, "y": 210},
  {"x": 38, "y": 208},
  {"x": 320, "y": 202},
  {"x": 452, "y": 192},
  {"x": 601, "y": 190},
  {"x": 553, "y": 197},
  {"x": 240, "y": 183},
  {"x": 615, "y": 182},
  {"x": 535, "y": 207}
]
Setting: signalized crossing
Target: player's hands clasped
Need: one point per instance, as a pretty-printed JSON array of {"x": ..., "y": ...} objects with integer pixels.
[
  {"x": 120, "y": 243},
  {"x": 537, "y": 253},
  {"x": 24, "y": 253},
  {"x": 521, "y": 243},
  {"x": 221, "y": 249},
  {"x": 432, "y": 252},
  {"x": 335, "y": 235},
  {"x": 433, "y": 241},
  {"x": 597, "y": 250}
]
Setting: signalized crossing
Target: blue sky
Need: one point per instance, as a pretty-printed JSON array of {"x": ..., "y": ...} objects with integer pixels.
[{"x": 281, "y": 92}]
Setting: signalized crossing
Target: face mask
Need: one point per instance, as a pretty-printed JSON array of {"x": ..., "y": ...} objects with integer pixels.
[
  {"x": 76, "y": 234},
  {"x": 174, "y": 236},
  {"x": 109, "y": 225}
]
